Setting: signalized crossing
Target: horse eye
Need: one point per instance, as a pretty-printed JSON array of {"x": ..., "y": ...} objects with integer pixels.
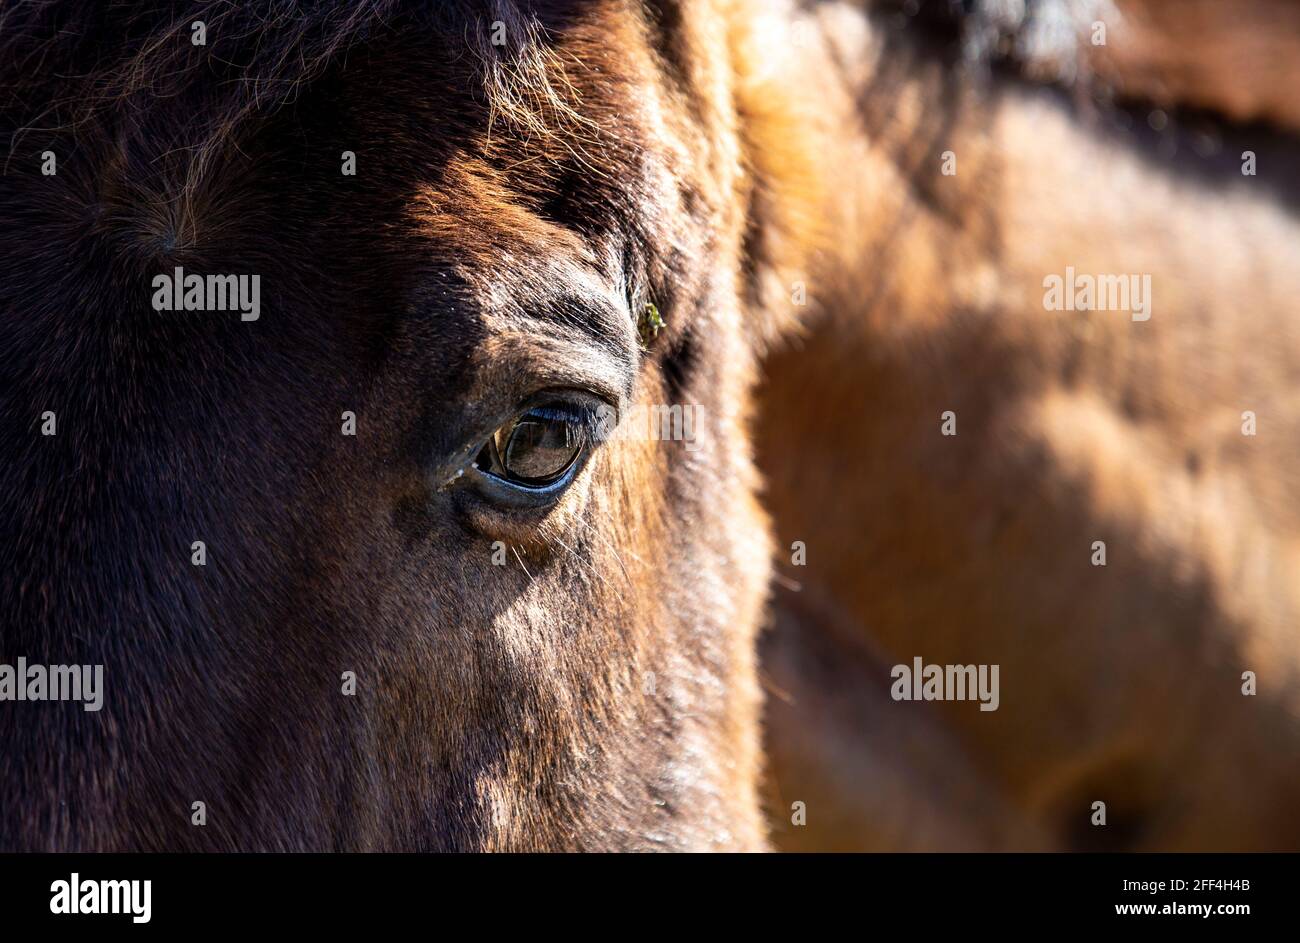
[{"x": 535, "y": 450}]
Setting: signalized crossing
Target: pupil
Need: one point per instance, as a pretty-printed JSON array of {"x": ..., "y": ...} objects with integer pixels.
[
  {"x": 540, "y": 448},
  {"x": 484, "y": 459}
]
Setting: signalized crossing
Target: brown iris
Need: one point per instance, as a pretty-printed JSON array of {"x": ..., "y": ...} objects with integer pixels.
[{"x": 535, "y": 450}]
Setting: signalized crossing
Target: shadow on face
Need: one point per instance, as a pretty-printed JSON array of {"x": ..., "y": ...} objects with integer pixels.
[{"x": 449, "y": 594}]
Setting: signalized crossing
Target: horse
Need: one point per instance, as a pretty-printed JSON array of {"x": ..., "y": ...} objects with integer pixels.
[
  {"x": 324, "y": 335},
  {"x": 373, "y": 563},
  {"x": 966, "y": 467}
]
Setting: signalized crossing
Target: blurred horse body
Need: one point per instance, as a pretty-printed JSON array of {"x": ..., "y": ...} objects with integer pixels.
[{"x": 1121, "y": 683}]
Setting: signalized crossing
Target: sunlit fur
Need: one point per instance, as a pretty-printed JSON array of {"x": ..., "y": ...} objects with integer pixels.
[
  {"x": 513, "y": 207},
  {"x": 1120, "y": 684}
]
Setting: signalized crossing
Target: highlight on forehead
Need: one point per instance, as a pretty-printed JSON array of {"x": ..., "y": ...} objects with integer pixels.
[{"x": 522, "y": 266}]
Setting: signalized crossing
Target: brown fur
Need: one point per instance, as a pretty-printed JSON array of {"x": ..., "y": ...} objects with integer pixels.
[
  {"x": 1120, "y": 684},
  {"x": 513, "y": 208},
  {"x": 1240, "y": 60}
]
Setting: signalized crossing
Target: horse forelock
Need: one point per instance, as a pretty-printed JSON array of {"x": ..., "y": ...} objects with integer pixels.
[{"x": 131, "y": 73}]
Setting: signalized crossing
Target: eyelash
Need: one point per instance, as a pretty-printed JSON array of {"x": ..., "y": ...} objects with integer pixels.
[{"x": 490, "y": 477}]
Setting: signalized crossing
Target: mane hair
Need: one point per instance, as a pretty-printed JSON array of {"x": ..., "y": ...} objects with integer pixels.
[
  {"x": 122, "y": 69},
  {"x": 1039, "y": 37}
]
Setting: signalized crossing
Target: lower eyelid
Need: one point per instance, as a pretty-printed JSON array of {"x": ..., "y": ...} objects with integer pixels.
[{"x": 501, "y": 492}]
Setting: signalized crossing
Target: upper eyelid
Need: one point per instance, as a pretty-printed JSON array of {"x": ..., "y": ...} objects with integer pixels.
[
  {"x": 519, "y": 360},
  {"x": 585, "y": 414},
  {"x": 523, "y": 357},
  {"x": 468, "y": 451}
]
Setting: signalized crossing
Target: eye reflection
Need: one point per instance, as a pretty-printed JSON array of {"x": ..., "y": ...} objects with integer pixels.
[{"x": 536, "y": 449}]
